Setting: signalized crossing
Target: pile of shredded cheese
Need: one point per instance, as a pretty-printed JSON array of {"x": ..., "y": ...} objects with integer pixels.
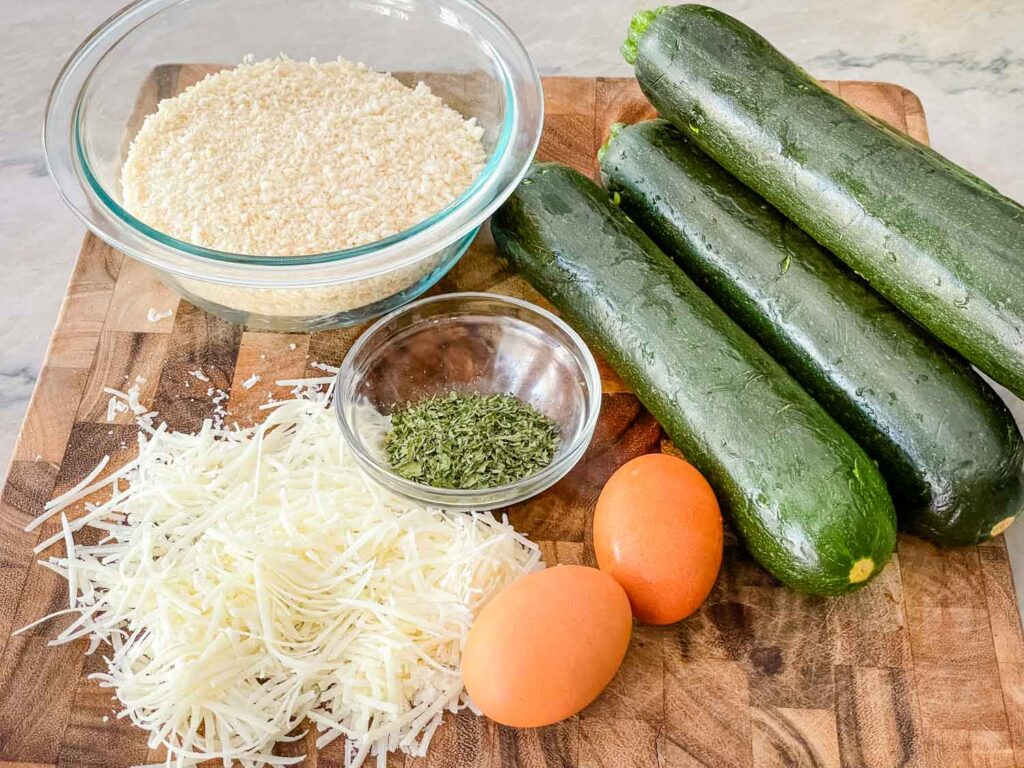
[{"x": 251, "y": 578}]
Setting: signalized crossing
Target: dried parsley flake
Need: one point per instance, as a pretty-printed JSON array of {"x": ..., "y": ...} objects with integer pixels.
[{"x": 469, "y": 440}]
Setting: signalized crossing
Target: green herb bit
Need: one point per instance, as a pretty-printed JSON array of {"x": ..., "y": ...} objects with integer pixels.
[{"x": 469, "y": 441}]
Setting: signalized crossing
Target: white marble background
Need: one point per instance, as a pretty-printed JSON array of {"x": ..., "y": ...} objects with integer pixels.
[{"x": 964, "y": 58}]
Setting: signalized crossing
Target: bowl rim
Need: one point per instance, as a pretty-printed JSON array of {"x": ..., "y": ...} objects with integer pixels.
[
  {"x": 68, "y": 165},
  {"x": 497, "y": 496}
]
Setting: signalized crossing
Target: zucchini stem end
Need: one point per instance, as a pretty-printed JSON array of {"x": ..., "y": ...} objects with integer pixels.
[{"x": 637, "y": 27}]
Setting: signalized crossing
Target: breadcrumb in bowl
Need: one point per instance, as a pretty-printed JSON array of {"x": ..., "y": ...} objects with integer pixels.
[
  {"x": 294, "y": 194},
  {"x": 286, "y": 158}
]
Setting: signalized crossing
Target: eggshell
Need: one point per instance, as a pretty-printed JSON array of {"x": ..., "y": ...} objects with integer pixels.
[
  {"x": 658, "y": 531},
  {"x": 546, "y": 646}
]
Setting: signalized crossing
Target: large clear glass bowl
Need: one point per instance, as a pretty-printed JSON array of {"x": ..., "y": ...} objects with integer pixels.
[
  {"x": 468, "y": 342},
  {"x": 460, "y": 49}
]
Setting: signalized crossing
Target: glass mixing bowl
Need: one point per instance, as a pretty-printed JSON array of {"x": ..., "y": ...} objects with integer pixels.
[
  {"x": 468, "y": 342},
  {"x": 461, "y": 50}
]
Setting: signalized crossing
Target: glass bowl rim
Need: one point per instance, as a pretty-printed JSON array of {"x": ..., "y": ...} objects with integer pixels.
[
  {"x": 475, "y": 203},
  {"x": 510, "y": 492}
]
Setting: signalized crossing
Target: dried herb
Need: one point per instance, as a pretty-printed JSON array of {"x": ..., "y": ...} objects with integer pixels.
[{"x": 469, "y": 441}]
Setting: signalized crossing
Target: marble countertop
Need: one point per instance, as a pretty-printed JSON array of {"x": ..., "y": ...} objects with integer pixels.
[{"x": 963, "y": 58}]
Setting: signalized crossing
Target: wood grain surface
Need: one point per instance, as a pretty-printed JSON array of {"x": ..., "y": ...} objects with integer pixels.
[{"x": 925, "y": 667}]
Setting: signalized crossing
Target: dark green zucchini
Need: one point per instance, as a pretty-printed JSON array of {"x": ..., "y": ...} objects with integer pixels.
[
  {"x": 946, "y": 444},
  {"x": 941, "y": 245},
  {"x": 809, "y": 503}
]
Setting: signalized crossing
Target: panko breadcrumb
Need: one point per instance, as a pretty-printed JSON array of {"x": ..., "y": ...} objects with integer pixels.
[{"x": 284, "y": 158}]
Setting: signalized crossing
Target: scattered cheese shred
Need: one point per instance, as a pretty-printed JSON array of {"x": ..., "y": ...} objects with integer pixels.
[
  {"x": 115, "y": 405},
  {"x": 155, "y": 316},
  {"x": 251, "y": 382},
  {"x": 251, "y": 578},
  {"x": 324, "y": 367},
  {"x": 129, "y": 401}
]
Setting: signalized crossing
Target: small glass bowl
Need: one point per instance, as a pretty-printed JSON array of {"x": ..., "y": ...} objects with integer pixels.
[{"x": 468, "y": 342}]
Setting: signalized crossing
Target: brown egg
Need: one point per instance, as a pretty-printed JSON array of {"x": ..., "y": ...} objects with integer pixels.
[
  {"x": 546, "y": 646},
  {"x": 658, "y": 531}
]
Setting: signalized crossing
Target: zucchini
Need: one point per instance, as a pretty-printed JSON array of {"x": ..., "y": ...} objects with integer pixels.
[
  {"x": 810, "y": 505},
  {"x": 946, "y": 444},
  {"x": 940, "y": 244}
]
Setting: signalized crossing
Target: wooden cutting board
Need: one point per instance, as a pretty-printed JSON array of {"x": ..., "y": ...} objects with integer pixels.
[{"x": 925, "y": 667}]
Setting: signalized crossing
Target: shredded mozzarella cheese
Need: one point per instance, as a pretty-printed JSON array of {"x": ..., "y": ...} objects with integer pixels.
[
  {"x": 155, "y": 316},
  {"x": 129, "y": 401},
  {"x": 252, "y": 578}
]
